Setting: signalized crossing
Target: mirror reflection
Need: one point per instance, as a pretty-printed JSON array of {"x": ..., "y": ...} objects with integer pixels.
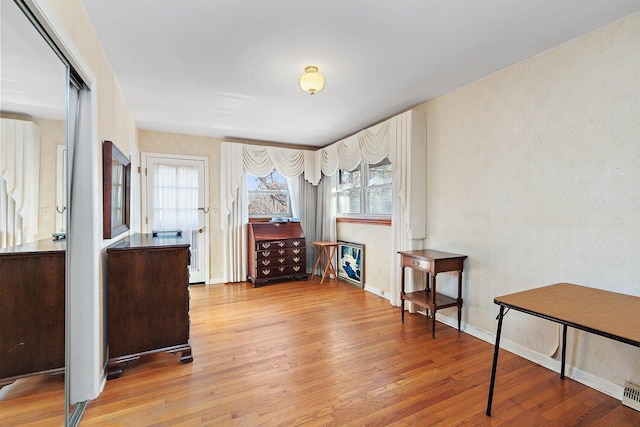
[
  {"x": 32, "y": 278},
  {"x": 116, "y": 178},
  {"x": 117, "y": 194}
]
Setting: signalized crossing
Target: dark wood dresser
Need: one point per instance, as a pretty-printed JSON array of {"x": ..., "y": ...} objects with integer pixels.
[
  {"x": 147, "y": 298},
  {"x": 32, "y": 290},
  {"x": 277, "y": 251}
]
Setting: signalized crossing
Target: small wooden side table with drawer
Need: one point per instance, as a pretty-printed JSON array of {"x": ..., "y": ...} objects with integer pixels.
[{"x": 432, "y": 262}]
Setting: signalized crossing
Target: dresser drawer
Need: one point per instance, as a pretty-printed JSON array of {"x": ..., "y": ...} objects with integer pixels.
[{"x": 416, "y": 263}]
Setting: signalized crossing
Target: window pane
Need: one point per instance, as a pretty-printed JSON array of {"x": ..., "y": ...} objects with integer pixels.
[
  {"x": 263, "y": 203},
  {"x": 379, "y": 200},
  {"x": 380, "y": 173},
  {"x": 175, "y": 190},
  {"x": 349, "y": 179},
  {"x": 268, "y": 195},
  {"x": 349, "y": 201}
]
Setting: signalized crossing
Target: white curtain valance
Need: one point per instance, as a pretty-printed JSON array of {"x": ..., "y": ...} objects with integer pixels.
[
  {"x": 260, "y": 161},
  {"x": 374, "y": 142},
  {"x": 370, "y": 145}
]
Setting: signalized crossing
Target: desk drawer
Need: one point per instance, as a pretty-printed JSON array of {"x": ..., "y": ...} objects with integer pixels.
[
  {"x": 419, "y": 264},
  {"x": 270, "y": 245},
  {"x": 279, "y": 271},
  {"x": 274, "y": 261},
  {"x": 280, "y": 252}
]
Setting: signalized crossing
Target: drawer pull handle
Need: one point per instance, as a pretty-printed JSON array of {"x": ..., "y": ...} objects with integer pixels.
[
  {"x": 415, "y": 262},
  {"x": 296, "y": 243},
  {"x": 281, "y": 260},
  {"x": 266, "y": 253},
  {"x": 296, "y": 251},
  {"x": 296, "y": 259},
  {"x": 266, "y": 272},
  {"x": 266, "y": 262},
  {"x": 281, "y": 251},
  {"x": 296, "y": 267},
  {"x": 266, "y": 245},
  {"x": 281, "y": 269},
  {"x": 281, "y": 244}
]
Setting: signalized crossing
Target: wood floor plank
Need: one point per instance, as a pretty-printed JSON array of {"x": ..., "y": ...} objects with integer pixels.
[{"x": 305, "y": 354}]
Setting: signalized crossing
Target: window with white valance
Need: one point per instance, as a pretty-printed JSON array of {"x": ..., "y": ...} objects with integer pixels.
[
  {"x": 366, "y": 190},
  {"x": 402, "y": 139}
]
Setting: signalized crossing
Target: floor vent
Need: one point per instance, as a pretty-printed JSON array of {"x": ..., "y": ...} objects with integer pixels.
[{"x": 631, "y": 397}]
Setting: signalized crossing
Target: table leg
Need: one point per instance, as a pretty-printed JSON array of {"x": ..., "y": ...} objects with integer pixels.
[
  {"x": 330, "y": 254},
  {"x": 402, "y": 292},
  {"x": 495, "y": 361},
  {"x": 326, "y": 262},
  {"x": 315, "y": 267},
  {"x": 433, "y": 306},
  {"x": 459, "y": 299},
  {"x": 564, "y": 350}
]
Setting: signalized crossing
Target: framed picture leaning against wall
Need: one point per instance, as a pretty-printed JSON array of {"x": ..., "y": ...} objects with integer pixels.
[{"x": 351, "y": 263}]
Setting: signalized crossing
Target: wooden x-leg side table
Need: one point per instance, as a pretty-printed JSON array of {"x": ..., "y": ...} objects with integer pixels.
[{"x": 326, "y": 251}]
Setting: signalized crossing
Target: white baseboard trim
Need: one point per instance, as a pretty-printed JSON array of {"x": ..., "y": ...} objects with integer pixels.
[
  {"x": 216, "y": 281},
  {"x": 379, "y": 292},
  {"x": 607, "y": 387}
]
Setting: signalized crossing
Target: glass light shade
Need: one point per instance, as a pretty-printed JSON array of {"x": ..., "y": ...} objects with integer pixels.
[{"x": 311, "y": 81}]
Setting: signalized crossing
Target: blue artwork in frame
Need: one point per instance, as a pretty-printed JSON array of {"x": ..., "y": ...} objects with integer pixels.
[{"x": 351, "y": 263}]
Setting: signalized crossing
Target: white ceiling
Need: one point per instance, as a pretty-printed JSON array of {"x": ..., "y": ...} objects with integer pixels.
[
  {"x": 33, "y": 79},
  {"x": 230, "y": 68}
]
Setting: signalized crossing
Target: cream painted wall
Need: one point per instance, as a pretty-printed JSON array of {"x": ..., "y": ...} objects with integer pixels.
[
  {"x": 377, "y": 253},
  {"x": 115, "y": 121},
  {"x": 534, "y": 173},
  {"x": 189, "y": 145}
]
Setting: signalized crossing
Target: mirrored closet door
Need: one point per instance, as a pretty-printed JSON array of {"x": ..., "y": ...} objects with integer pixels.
[{"x": 33, "y": 108}]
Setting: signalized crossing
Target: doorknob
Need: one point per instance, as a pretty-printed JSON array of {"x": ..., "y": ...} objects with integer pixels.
[{"x": 201, "y": 230}]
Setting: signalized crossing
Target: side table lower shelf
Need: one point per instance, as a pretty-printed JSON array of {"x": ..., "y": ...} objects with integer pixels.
[
  {"x": 431, "y": 262},
  {"x": 423, "y": 299}
]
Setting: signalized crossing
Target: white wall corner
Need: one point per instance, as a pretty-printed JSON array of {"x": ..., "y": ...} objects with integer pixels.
[{"x": 418, "y": 178}]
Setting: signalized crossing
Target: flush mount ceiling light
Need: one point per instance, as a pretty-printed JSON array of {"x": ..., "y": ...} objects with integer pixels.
[{"x": 311, "y": 81}]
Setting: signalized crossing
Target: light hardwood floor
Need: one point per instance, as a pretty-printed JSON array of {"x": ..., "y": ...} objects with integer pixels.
[{"x": 301, "y": 353}]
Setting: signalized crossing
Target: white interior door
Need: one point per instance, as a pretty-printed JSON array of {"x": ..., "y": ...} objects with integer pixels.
[{"x": 176, "y": 200}]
